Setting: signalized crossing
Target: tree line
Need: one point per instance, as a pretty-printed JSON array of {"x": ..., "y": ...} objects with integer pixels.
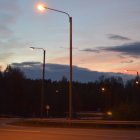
[{"x": 20, "y": 96}]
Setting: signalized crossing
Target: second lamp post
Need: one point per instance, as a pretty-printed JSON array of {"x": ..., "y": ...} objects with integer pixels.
[{"x": 43, "y": 79}]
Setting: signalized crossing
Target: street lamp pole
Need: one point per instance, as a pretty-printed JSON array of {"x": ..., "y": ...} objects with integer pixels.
[
  {"x": 43, "y": 79},
  {"x": 42, "y": 7}
]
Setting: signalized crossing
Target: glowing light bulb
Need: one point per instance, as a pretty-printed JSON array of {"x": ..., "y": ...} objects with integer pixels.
[{"x": 41, "y": 7}]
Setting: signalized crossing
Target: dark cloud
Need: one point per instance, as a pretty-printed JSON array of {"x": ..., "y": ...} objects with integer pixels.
[
  {"x": 118, "y": 37},
  {"x": 91, "y": 50},
  {"x": 131, "y": 49},
  {"x": 26, "y": 64},
  {"x": 33, "y": 70}
]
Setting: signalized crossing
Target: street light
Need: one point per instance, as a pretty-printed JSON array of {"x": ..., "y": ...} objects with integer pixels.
[
  {"x": 137, "y": 82},
  {"x": 43, "y": 78},
  {"x": 103, "y": 89},
  {"x": 42, "y": 7}
]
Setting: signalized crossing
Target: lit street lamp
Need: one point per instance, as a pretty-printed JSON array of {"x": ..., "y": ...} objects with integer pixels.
[
  {"x": 134, "y": 71},
  {"x": 42, "y": 8},
  {"x": 137, "y": 82},
  {"x": 43, "y": 78}
]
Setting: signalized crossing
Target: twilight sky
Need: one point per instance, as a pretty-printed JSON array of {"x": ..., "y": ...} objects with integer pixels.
[{"x": 106, "y": 33}]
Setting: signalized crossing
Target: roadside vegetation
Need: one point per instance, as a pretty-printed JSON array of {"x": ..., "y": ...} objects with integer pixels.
[{"x": 20, "y": 96}]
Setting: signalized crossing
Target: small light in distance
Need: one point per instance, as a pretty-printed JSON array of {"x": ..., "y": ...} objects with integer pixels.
[
  {"x": 103, "y": 89},
  {"x": 109, "y": 113}
]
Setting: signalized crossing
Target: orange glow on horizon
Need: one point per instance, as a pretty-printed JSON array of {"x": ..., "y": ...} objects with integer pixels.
[{"x": 2, "y": 68}]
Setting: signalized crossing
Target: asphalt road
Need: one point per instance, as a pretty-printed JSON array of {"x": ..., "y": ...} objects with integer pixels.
[{"x": 8, "y": 132}]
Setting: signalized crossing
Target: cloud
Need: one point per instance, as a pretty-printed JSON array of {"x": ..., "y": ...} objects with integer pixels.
[
  {"x": 9, "y": 11},
  {"x": 55, "y": 72},
  {"x": 27, "y": 64},
  {"x": 129, "y": 61},
  {"x": 121, "y": 56},
  {"x": 91, "y": 50},
  {"x": 130, "y": 49},
  {"x": 118, "y": 37}
]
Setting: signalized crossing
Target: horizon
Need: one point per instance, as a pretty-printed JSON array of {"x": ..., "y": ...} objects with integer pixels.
[{"x": 55, "y": 72}]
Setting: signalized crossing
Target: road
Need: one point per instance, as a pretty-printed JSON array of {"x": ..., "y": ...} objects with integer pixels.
[{"x": 8, "y": 132}]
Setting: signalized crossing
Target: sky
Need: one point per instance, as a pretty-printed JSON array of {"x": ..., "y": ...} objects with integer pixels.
[{"x": 106, "y": 36}]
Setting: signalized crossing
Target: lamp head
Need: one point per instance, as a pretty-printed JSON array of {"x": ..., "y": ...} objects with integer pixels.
[
  {"x": 32, "y": 48},
  {"x": 41, "y": 7}
]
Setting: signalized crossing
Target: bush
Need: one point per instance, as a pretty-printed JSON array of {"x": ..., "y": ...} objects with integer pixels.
[{"x": 125, "y": 111}]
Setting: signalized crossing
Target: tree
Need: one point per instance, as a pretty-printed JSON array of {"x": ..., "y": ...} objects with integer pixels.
[{"x": 13, "y": 90}]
